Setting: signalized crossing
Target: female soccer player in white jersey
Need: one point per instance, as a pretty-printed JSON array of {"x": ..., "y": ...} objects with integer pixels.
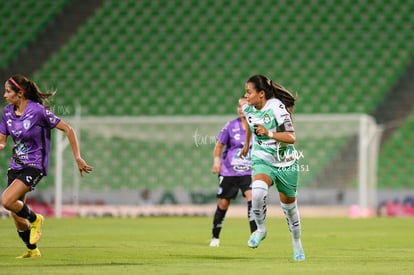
[{"x": 268, "y": 114}]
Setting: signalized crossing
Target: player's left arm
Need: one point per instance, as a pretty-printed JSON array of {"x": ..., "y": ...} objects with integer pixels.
[
  {"x": 3, "y": 141},
  {"x": 286, "y": 137},
  {"x": 73, "y": 141},
  {"x": 286, "y": 131}
]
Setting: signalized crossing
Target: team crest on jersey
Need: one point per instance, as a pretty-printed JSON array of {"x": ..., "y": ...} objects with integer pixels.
[
  {"x": 266, "y": 118},
  {"x": 26, "y": 124}
]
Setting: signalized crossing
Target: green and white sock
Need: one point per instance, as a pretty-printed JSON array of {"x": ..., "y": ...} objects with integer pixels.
[
  {"x": 259, "y": 208},
  {"x": 293, "y": 220}
]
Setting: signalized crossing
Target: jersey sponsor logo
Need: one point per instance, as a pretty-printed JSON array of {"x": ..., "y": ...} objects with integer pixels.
[
  {"x": 20, "y": 151},
  {"x": 267, "y": 142},
  {"x": 258, "y": 120},
  {"x": 241, "y": 168}
]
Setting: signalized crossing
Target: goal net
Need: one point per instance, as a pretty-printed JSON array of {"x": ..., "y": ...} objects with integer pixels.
[{"x": 168, "y": 159}]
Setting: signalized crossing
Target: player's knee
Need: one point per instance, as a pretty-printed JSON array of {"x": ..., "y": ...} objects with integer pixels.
[
  {"x": 5, "y": 201},
  {"x": 259, "y": 190},
  {"x": 223, "y": 204}
]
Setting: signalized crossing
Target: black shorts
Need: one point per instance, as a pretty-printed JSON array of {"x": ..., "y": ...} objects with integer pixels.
[
  {"x": 29, "y": 176},
  {"x": 229, "y": 186}
]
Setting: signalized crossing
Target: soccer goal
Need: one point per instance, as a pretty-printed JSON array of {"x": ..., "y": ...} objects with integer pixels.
[{"x": 167, "y": 160}]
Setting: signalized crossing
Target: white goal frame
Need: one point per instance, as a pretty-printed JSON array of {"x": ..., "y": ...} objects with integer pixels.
[{"x": 368, "y": 132}]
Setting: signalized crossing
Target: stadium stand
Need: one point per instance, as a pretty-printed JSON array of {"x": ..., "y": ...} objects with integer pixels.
[
  {"x": 161, "y": 58},
  {"x": 144, "y": 51},
  {"x": 21, "y": 23},
  {"x": 397, "y": 158}
]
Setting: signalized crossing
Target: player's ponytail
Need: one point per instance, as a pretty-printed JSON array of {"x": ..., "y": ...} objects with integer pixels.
[
  {"x": 273, "y": 89},
  {"x": 30, "y": 90},
  {"x": 284, "y": 95}
]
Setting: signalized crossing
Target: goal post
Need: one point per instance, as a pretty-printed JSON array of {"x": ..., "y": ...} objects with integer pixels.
[
  {"x": 170, "y": 158},
  {"x": 355, "y": 142}
]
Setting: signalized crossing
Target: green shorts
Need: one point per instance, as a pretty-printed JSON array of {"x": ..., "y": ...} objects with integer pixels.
[{"x": 284, "y": 178}]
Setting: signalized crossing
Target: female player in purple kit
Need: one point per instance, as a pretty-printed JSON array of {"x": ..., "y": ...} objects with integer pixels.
[
  {"x": 29, "y": 123},
  {"x": 234, "y": 172}
]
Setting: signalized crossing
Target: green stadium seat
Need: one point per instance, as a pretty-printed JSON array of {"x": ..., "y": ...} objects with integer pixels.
[
  {"x": 159, "y": 58},
  {"x": 22, "y": 20}
]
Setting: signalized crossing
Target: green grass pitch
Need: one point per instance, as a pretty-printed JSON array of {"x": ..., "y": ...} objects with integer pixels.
[{"x": 179, "y": 245}]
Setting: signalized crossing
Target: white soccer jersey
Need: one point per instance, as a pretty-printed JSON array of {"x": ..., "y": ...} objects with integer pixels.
[{"x": 275, "y": 118}]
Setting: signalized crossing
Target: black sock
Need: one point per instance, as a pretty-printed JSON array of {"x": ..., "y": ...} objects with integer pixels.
[
  {"x": 25, "y": 236},
  {"x": 252, "y": 222},
  {"x": 218, "y": 222},
  {"x": 27, "y": 213}
]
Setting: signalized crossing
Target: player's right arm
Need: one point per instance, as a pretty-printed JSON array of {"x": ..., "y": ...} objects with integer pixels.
[{"x": 218, "y": 149}]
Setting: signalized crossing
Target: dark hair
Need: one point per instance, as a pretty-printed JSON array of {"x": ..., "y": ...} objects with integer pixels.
[
  {"x": 273, "y": 89},
  {"x": 30, "y": 89}
]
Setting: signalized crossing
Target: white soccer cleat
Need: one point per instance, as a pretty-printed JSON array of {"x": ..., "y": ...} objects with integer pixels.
[
  {"x": 299, "y": 256},
  {"x": 215, "y": 242},
  {"x": 255, "y": 238}
]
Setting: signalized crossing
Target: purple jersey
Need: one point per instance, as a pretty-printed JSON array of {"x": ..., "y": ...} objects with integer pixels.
[
  {"x": 233, "y": 137},
  {"x": 31, "y": 135}
]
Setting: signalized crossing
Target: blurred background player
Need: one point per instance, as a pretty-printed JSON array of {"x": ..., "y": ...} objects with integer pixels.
[
  {"x": 29, "y": 123},
  {"x": 234, "y": 173},
  {"x": 269, "y": 115}
]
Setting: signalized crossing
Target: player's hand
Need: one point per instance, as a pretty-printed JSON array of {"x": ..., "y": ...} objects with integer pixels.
[
  {"x": 260, "y": 130},
  {"x": 244, "y": 151},
  {"x": 216, "y": 166},
  {"x": 216, "y": 169},
  {"x": 83, "y": 166}
]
